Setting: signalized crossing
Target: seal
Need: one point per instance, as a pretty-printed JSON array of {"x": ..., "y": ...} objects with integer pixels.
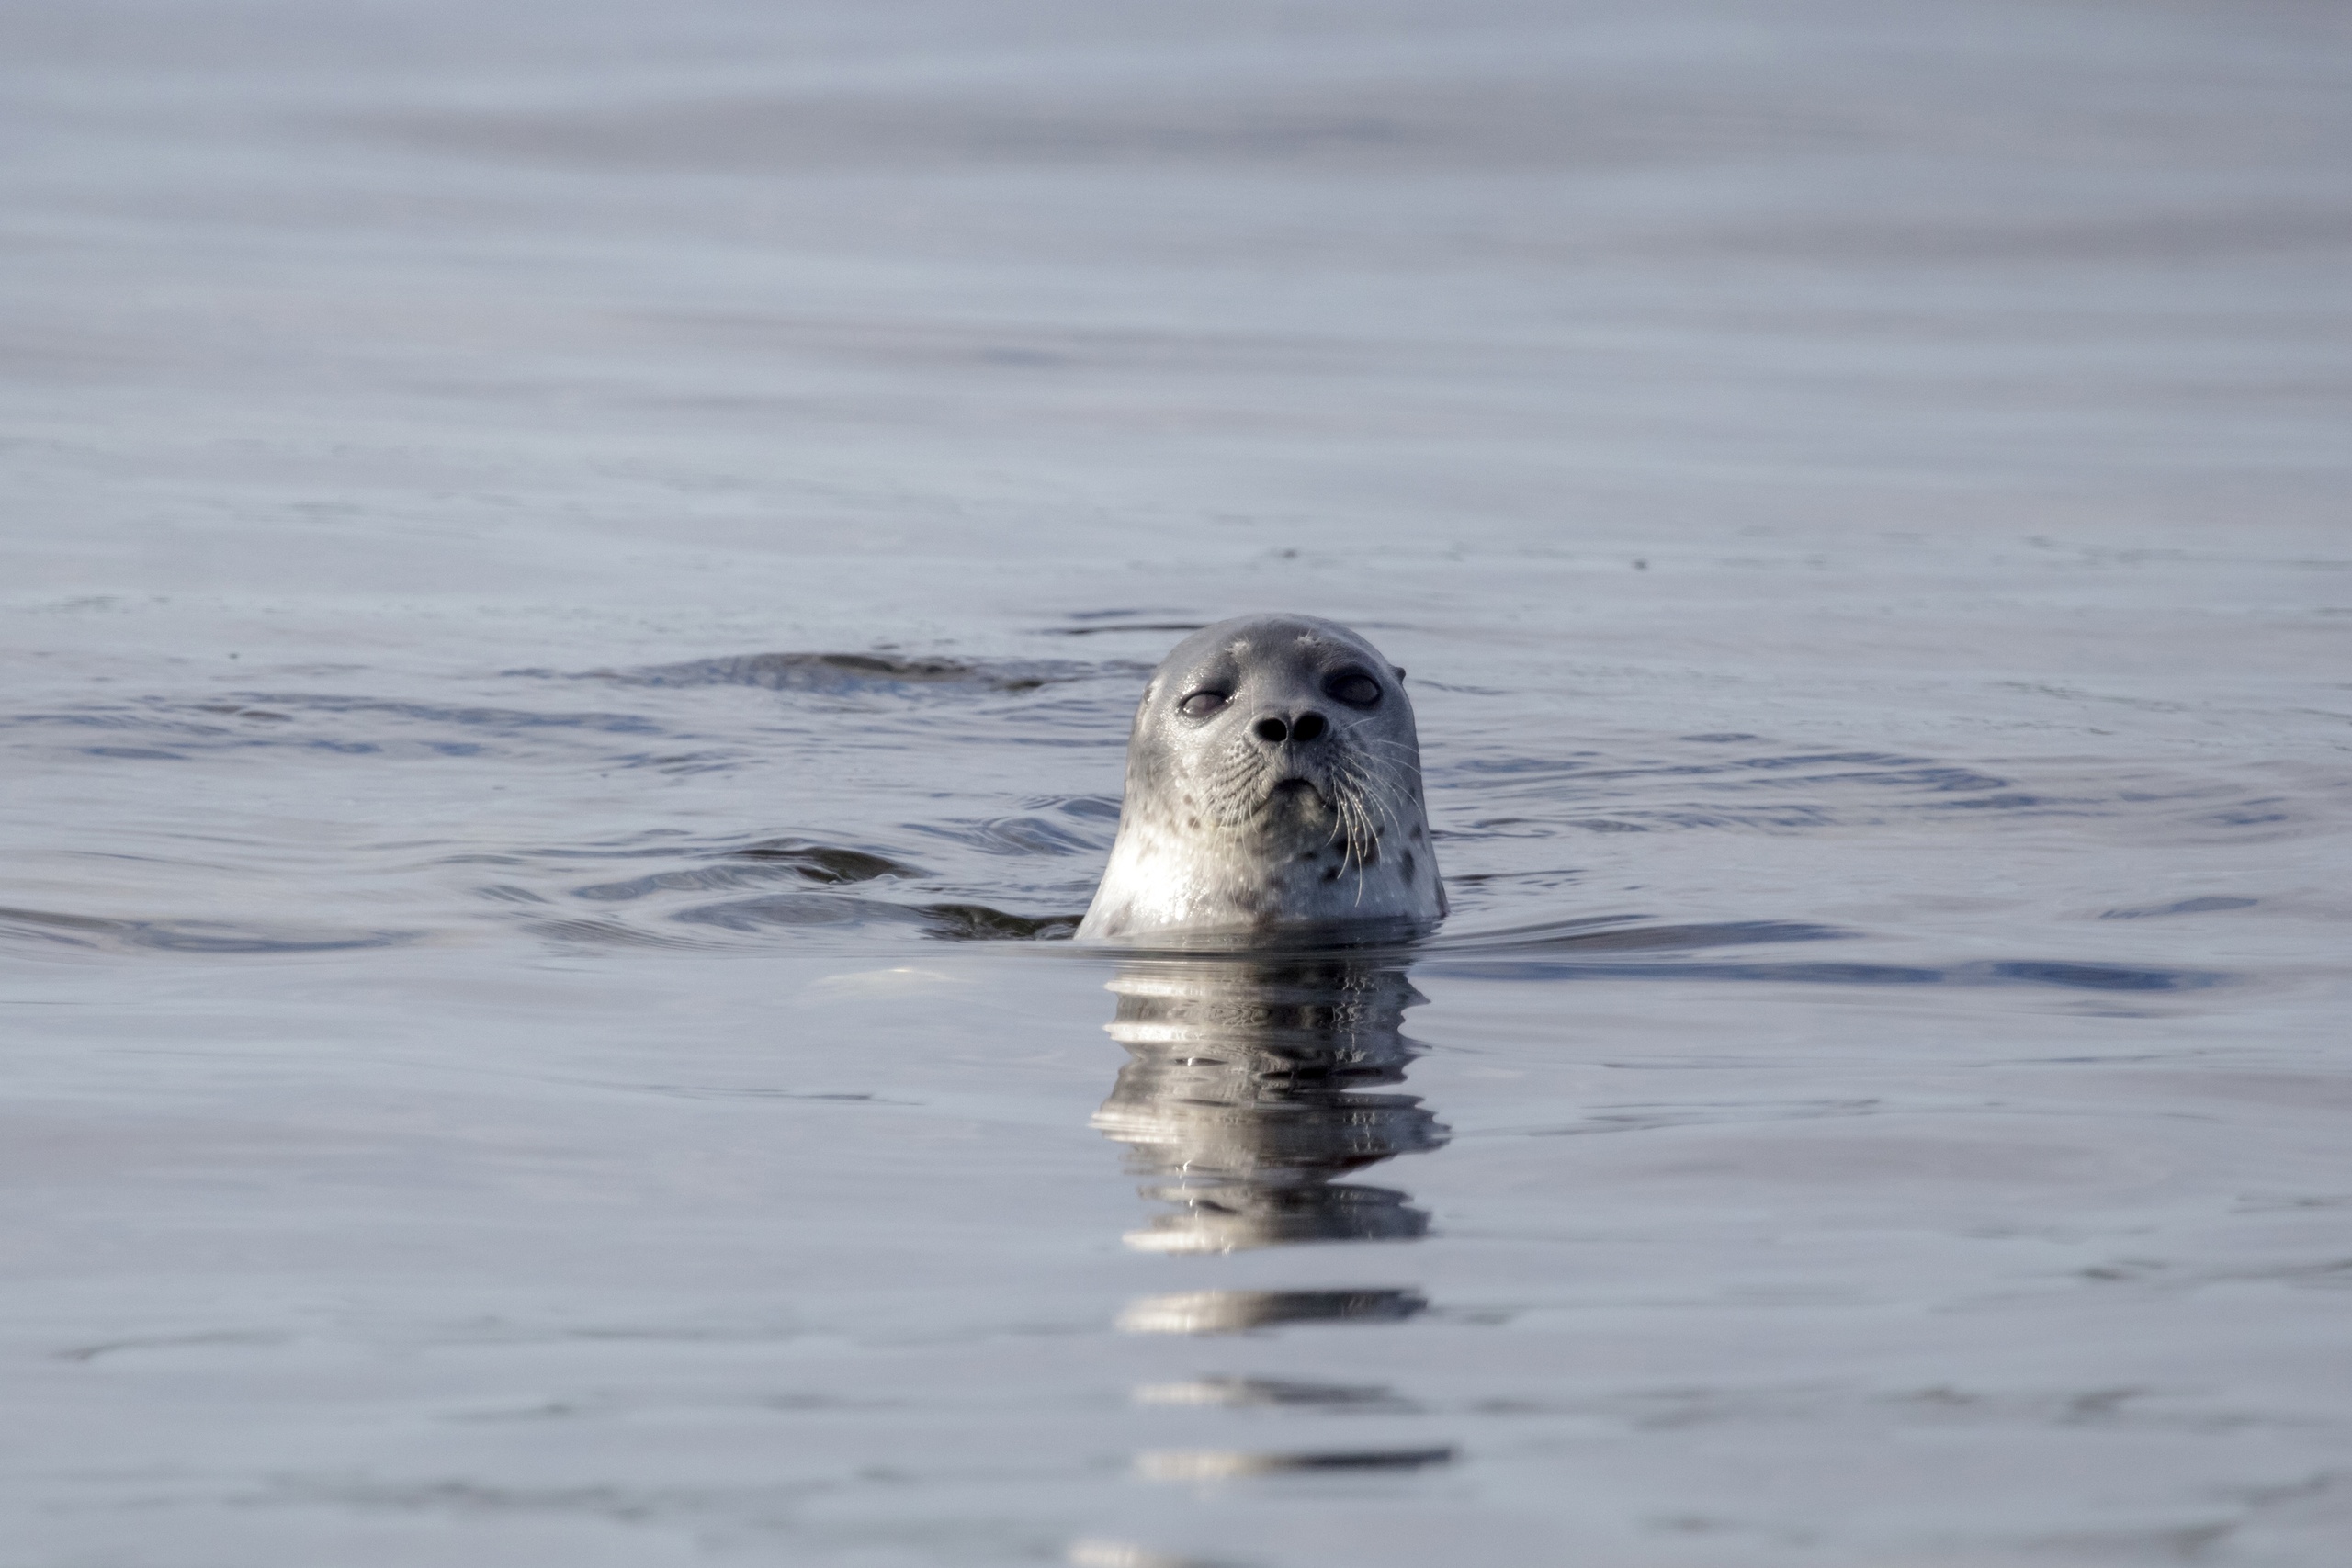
[{"x": 1274, "y": 784}]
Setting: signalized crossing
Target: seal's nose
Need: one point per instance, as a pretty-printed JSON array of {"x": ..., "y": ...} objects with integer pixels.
[{"x": 1273, "y": 731}]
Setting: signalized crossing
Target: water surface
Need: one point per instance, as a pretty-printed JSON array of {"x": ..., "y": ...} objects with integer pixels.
[{"x": 574, "y": 583}]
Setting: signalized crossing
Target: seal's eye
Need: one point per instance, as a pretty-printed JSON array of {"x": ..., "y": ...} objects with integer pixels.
[
  {"x": 1354, "y": 688},
  {"x": 1199, "y": 704}
]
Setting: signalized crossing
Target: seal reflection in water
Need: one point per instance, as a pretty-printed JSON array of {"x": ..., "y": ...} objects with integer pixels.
[
  {"x": 1274, "y": 789},
  {"x": 1253, "y": 1084}
]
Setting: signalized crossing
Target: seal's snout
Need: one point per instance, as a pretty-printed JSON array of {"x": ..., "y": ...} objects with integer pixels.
[{"x": 1273, "y": 729}]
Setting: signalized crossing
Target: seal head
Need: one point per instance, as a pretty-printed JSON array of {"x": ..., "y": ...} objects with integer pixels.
[{"x": 1274, "y": 784}]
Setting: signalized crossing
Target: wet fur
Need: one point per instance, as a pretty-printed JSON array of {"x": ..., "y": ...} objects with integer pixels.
[{"x": 1220, "y": 833}]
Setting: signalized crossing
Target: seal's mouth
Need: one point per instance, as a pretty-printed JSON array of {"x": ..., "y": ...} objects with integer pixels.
[{"x": 1297, "y": 796}]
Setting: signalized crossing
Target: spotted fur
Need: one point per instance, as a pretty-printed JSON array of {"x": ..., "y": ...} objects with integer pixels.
[{"x": 1223, "y": 830}]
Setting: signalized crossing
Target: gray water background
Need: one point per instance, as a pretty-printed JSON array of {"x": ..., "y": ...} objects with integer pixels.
[{"x": 500, "y": 1070}]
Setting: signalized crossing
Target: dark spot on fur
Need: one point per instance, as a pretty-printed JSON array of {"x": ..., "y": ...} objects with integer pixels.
[
  {"x": 1418, "y": 834},
  {"x": 1308, "y": 854},
  {"x": 1412, "y": 868},
  {"x": 1330, "y": 873}
]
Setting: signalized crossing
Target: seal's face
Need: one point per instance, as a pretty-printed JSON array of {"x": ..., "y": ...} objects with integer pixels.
[
  {"x": 1273, "y": 777},
  {"x": 1275, "y": 728}
]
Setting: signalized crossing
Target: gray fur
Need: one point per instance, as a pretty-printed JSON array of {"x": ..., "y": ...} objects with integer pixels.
[{"x": 1226, "y": 831}]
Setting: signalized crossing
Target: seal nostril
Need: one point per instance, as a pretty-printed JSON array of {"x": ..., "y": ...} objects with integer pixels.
[
  {"x": 1308, "y": 725},
  {"x": 1270, "y": 729}
]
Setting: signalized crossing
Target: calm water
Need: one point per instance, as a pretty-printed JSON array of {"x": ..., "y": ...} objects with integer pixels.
[{"x": 573, "y": 578}]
